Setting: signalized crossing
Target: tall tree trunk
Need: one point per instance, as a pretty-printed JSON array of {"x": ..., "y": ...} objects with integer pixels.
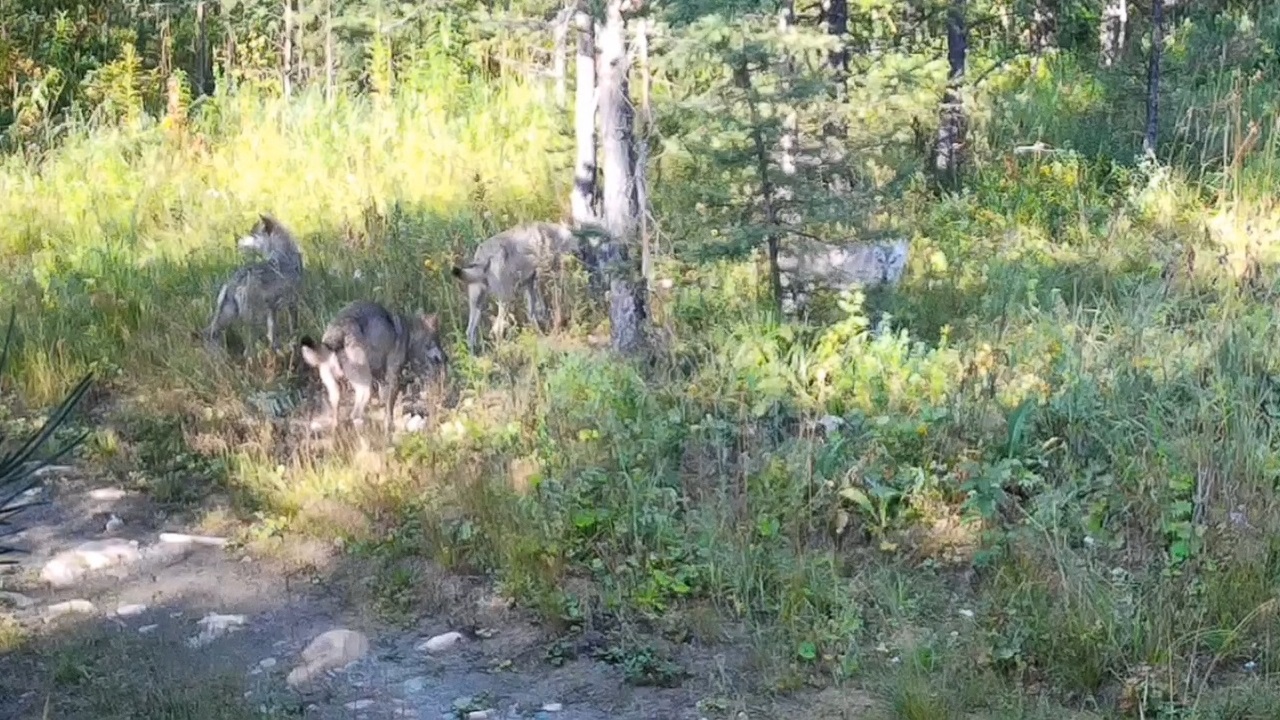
[
  {"x": 287, "y": 69},
  {"x": 644, "y": 127},
  {"x": 1044, "y": 26},
  {"x": 839, "y": 179},
  {"x": 949, "y": 154},
  {"x": 768, "y": 190},
  {"x": 1153, "y": 78},
  {"x": 1111, "y": 33},
  {"x": 583, "y": 198},
  {"x": 621, "y": 209},
  {"x": 836, "y": 13},
  {"x": 559, "y": 60},
  {"x": 204, "y": 71}
]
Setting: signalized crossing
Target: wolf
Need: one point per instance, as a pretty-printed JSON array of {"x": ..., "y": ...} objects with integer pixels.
[
  {"x": 512, "y": 262},
  {"x": 264, "y": 287},
  {"x": 808, "y": 264},
  {"x": 366, "y": 342}
]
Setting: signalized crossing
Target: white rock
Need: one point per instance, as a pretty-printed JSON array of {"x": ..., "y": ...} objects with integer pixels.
[
  {"x": 415, "y": 685},
  {"x": 167, "y": 537},
  {"x": 328, "y": 651},
  {"x": 67, "y": 608},
  {"x": 214, "y": 626},
  {"x": 440, "y": 643},
  {"x": 478, "y": 715},
  {"x": 552, "y": 707},
  {"x": 147, "y": 629},
  {"x": 131, "y": 609},
  {"x": 359, "y": 704},
  {"x": 267, "y": 663},
  {"x": 107, "y": 494},
  {"x": 17, "y": 600},
  {"x": 69, "y": 566}
]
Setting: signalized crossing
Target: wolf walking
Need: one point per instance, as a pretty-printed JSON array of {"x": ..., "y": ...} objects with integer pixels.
[
  {"x": 366, "y": 342},
  {"x": 512, "y": 262},
  {"x": 806, "y": 264},
  {"x": 261, "y": 288}
]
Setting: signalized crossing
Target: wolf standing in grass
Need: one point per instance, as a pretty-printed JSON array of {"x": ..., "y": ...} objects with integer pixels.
[
  {"x": 807, "y": 264},
  {"x": 512, "y": 261},
  {"x": 261, "y": 288},
  {"x": 366, "y": 342}
]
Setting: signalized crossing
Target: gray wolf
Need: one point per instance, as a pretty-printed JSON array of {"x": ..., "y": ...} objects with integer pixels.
[
  {"x": 806, "y": 264},
  {"x": 514, "y": 259},
  {"x": 261, "y": 288},
  {"x": 366, "y": 342}
]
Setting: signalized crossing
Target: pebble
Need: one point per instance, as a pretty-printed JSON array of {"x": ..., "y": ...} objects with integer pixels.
[
  {"x": 267, "y": 663},
  {"x": 147, "y": 629},
  {"x": 415, "y": 685},
  {"x": 68, "y": 607},
  {"x": 552, "y": 707},
  {"x": 130, "y": 610},
  {"x": 440, "y": 643},
  {"x": 359, "y": 704}
]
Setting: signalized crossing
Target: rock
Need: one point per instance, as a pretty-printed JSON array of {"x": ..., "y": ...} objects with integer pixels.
[
  {"x": 107, "y": 494},
  {"x": 69, "y": 566},
  {"x": 552, "y": 707},
  {"x": 478, "y": 715},
  {"x": 147, "y": 629},
  {"x": 267, "y": 663},
  {"x": 415, "y": 685},
  {"x": 328, "y": 651},
  {"x": 16, "y": 600},
  {"x": 67, "y": 608},
  {"x": 114, "y": 523},
  {"x": 167, "y": 537},
  {"x": 440, "y": 643},
  {"x": 130, "y": 610},
  {"x": 165, "y": 554},
  {"x": 214, "y": 626},
  {"x": 360, "y": 704}
]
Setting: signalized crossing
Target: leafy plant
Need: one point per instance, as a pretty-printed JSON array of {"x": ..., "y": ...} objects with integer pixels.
[{"x": 18, "y": 471}]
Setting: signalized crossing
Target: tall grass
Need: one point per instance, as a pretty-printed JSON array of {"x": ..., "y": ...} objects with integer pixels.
[{"x": 1052, "y": 475}]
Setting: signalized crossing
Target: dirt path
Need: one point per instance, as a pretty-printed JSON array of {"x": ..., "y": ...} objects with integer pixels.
[{"x": 137, "y": 651}]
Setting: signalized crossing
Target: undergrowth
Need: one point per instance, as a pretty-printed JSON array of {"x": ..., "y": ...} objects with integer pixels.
[{"x": 1046, "y": 481}]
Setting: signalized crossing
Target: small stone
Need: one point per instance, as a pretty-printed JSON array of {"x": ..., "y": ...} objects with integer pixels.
[
  {"x": 214, "y": 626},
  {"x": 328, "y": 651},
  {"x": 67, "y": 608},
  {"x": 359, "y": 704},
  {"x": 267, "y": 663},
  {"x": 107, "y": 494},
  {"x": 130, "y": 610},
  {"x": 552, "y": 707},
  {"x": 167, "y": 537},
  {"x": 415, "y": 685},
  {"x": 69, "y": 566},
  {"x": 147, "y": 629},
  {"x": 440, "y": 643},
  {"x": 478, "y": 715}
]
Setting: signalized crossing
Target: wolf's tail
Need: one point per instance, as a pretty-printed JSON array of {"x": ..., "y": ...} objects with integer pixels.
[
  {"x": 469, "y": 273},
  {"x": 315, "y": 353}
]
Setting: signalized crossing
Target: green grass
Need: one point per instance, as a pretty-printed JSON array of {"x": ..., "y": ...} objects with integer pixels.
[{"x": 1056, "y": 484}]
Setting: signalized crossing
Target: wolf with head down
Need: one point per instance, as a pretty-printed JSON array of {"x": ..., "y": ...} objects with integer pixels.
[
  {"x": 514, "y": 260},
  {"x": 806, "y": 264}
]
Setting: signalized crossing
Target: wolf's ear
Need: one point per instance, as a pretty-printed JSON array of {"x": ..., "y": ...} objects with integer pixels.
[{"x": 268, "y": 222}]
